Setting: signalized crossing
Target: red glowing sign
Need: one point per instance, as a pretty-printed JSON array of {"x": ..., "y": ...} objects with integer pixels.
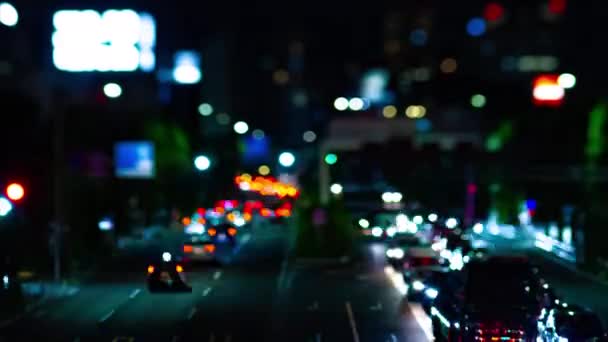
[{"x": 493, "y": 12}]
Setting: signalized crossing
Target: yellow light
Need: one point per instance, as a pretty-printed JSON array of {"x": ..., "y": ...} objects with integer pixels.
[
  {"x": 415, "y": 112},
  {"x": 448, "y": 65},
  {"x": 264, "y": 170},
  {"x": 246, "y": 177},
  {"x": 280, "y": 77},
  {"x": 389, "y": 112}
]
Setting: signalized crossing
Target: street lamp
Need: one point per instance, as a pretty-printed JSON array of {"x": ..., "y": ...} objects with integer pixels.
[
  {"x": 8, "y": 14},
  {"x": 240, "y": 127},
  {"x": 202, "y": 163},
  {"x": 287, "y": 159},
  {"x": 336, "y": 189}
]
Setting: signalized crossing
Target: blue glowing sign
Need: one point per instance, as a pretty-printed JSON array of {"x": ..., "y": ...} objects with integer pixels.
[
  {"x": 476, "y": 27},
  {"x": 134, "y": 159}
]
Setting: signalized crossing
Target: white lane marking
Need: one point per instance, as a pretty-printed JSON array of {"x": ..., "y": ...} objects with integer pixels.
[
  {"x": 423, "y": 320},
  {"x": 211, "y": 338},
  {"x": 217, "y": 275},
  {"x": 134, "y": 293},
  {"x": 282, "y": 275},
  {"x": 351, "y": 320},
  {"x": 394, "y": 338},
  {"x": 192, "y": 313},
  {"x": 106, "y": 317},
  {"x": 207, "y": 291}
]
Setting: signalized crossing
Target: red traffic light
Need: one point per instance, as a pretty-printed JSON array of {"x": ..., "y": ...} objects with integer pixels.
[{"x": 15, "y": 191}]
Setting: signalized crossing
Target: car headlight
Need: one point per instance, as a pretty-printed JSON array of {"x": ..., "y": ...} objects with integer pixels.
[
  {"x": 389, "y": 253},
  {"x": 398, "y": 253},
  {"x": 418, "y": 285},
  {"x": 377, "y": 231},
  {"x": 431, "y": 293},
  {"x": 391, "y": 231}
]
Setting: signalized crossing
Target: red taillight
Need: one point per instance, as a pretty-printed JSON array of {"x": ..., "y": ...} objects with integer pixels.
[
  {"x": 209, "y": 248},
  {"x": 265, "y": 212},
  {"x": 232, "y": 231},
  {"x": 179, "y": 268},
  {"x": 283, "y": 212},
  {"x": 188, "y": 249},
  {"x": 150, "y": 269},
  {"x": 212, "y": 232}
]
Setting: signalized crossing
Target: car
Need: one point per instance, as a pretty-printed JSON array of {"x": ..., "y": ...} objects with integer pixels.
[
  {"x": 223, "y": 233},
  {"x": 396, "y": 249},
  {"x": 166, "y": 275},
  {"x": 199, "y": 248},
  {"x": 499, "y": 298},
  {"x": 420, "y": 262},
  {"x": 570, "y": 323}
]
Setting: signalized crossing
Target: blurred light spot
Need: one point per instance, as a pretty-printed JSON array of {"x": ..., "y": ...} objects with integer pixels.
[
  {"x": 264, "y": 170},
  {"x": 478, "y": 228},
  {"x": 166, "y": 256},
  {"x": 377, "y": 231},
  {"x": 205, "y": 109},
  {"x": 493, "y": 12},
  {"x": 331, "y": 158},
  {"x": 105, "y": 224},
  {"x": 258, "y": 134},
  {"x": 566, "y": 81},
  {"x": 418, "y": 219},
  {"x": 433, "y": 217},
  {"x": 448, "y": 66},
  {"x": 421, "y": 74},
  {"x": 280, "y": 77},
  {"x": 363, "y": 223},
  {"x": 202, "y": 163},
  {"x": 373, "y": 85},
  {"x": 389, "y": 112},
  {"x": 223, "y": 119},
  {"x": 287, "y": 159},
  {"x": 356, "y": 104},
  {"x": 112, "y": 90},
  {"x": 300, "y": 99},
  {"x": 309, "y": 136},
  {"x": 341, "y": 103},
  {"x": 476, "y": 27},
  {"x": 418, "y": 37},
  {"x": 186, "y": 69},
  {"x": 451, "y": 222},
  {"x": 8, "y": 14},
  {"x": 478, "y": 101},
  {"x": 336, "y": 189},
  {"x": 415, "y": 112},
  {"x": 240, "y": 127},
  {"x": 557, "y": 6},
  {"x": 423, "y": 125},
  {"x": 5, "y": 206}
]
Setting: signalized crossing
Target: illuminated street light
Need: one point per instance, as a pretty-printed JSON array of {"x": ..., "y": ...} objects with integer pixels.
[
  {"x": 202, "y": 163},
  {"x": 389, "y": 112},
  {"x": 205, "y": 109},
  {"x": 478, "y": 101},
  {"x": 264, "y": 170},
  {"x": 392, "y": 197},
  {"x": 415, "y": 112},
  {"x": 8, "y": 14},
  {"x": 363, "y": 223},
  {"x": 240, "y": 127},
  {"x": 341, "y": 104},
  {"x": 451, "y": 223},
  {"x": 112, "y": 90},
  {"x": 287, "y": 159},
  {"x": 309, "y": 136},
  {"x": 336, "y": 189}
]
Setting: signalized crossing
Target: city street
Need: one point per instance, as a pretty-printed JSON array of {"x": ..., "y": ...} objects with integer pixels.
[{"x": 258, "y": 296}]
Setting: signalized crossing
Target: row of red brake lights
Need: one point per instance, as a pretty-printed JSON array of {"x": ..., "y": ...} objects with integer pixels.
[
  {"x": 178, "y": 269},
  {"x": 206, "y": 248}
]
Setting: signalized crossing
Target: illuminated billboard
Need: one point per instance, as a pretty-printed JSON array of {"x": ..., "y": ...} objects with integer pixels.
[
  {"x": 115, "y": 40},
  {"x": 134, "y": 159}
]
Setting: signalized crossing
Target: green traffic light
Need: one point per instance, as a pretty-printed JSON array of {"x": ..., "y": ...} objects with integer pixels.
[{"x": 331, "y": 159}]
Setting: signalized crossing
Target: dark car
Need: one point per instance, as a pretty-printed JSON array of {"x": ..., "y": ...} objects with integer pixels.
[
  {"x": 199, "y": 248},
  {"x": 223, "y": 233},
  {"x": 396, "y": 249},
  {"x": 500, "y": 298},
  {"x": 167, "y": 276},
  {"x": 570, "y": 323}
]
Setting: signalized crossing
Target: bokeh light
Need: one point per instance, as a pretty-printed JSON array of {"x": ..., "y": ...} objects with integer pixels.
[
  {"x": 8, "y": 14},
  {"x": 478, "y": 101},
  {"x": 202, "y": 163},
  {"x": 356, "y": 104},
  {"x": 493, "y": 12},
  {"x": 240, "y": 127},
  {"x": 264, "y": 170},
  {"x": 15, "y": 191},
  {"x": 566, "y": 81},
  {"x": 287, "y": 159},
  {"x": 341, "y": 104},
  {"x": 280, "y": 77},
  {"x": 112, "y": 90},
  {"x": 418, "y": 37},
  {"x": 205, "y": 109},
  {"x": 476, "y": 27},
  {"x": 258, "y": 134},
  {"x": 389, "y": 112},
  {"x": 309, "y": 136},
  {"x": 415, "y": 112},
  {"x": 448, "y": 66},
  {"x": 336, "y": 189},
  {"x": 331, "y": 158}
]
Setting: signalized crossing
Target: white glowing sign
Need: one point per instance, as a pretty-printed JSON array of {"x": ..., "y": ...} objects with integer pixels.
[{"x": 115, "y": 40}]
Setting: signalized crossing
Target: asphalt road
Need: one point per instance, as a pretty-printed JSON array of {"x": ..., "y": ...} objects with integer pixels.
[{"x": 257, "y": 296}]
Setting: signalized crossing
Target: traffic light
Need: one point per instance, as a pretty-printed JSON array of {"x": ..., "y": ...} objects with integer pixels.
[{"x": 15, "y": 192}]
